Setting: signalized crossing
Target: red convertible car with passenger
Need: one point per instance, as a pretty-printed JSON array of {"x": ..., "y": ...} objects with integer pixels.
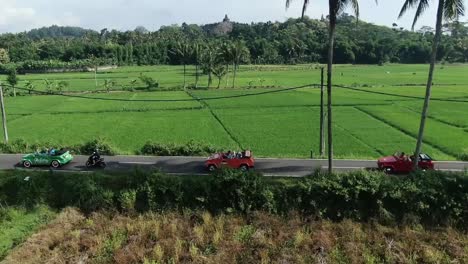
[
  {"x": 240, "y": 160},
  {"x": 401, "y": 163}
]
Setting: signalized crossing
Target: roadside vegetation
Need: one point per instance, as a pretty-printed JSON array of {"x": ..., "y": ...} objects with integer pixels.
[
  {"x": 201, "y": 237},
  {"x": 231, "y": 217},
  {"x": 432, "y": 198},
  {"x": 17, "y": 224}
]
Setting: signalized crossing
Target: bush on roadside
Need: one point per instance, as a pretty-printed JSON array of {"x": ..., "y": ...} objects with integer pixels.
[
  {"x": 191, "y": 148},
  {"x": 464, "y": 155},
  {"x": 431, "y": 198},
  {"x": 105, "y": 148},
  {"x": 21, "y": 146}
]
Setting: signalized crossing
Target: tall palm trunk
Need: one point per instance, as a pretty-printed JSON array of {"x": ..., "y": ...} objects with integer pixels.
[
  {"x": 331, "y": 41},
  {"x": 227, "y": 75},
  {"x": 435, "y": 45},
  {"x": 234, "y": 76},
  {"x": 196, "y": 76},
  {"x": 184, "y": 75},
  {"x": 210, "y": 79},
  {"x": 322, "y": 120}
]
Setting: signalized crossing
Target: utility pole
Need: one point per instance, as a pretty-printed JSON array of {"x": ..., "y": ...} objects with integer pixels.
[
  {"x": 322, "y": 121},
  {"x": 2, "y": 105}
]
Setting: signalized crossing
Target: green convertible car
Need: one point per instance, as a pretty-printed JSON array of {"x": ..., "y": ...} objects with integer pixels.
[{"x": 45, "y": 158}]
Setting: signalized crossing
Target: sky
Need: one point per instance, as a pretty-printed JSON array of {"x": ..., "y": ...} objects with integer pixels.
[{"x": 23, "y": 15}]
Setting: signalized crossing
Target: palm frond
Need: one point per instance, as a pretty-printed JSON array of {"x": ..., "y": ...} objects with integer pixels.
[
  {"x": 304, "y": 6},
  {"x": 355, "y": 7},
  {"x": 453, "y": 9},
  {"x": 406, "y": 6},
  {"x": 423, "y": 5}
]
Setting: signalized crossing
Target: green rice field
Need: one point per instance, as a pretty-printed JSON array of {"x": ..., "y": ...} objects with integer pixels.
[{"x": 379, "y": 116}]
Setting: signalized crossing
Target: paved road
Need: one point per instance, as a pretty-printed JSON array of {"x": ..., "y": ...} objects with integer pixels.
[{"x": 194, "y": 165}]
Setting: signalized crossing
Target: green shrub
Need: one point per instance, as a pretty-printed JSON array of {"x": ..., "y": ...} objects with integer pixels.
[
  {"x": 463, "y": 156},
  {"x": 192, "y": 148},
  {"x": 21, "y": 146},
  {"x": 127, "y": 200},
  {"x": 149, "y": 82},
  {"x": 104, "y": 147},
  {"x": 245, "y": 233}
]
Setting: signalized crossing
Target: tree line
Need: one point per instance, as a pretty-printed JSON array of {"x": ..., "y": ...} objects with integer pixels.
[{"x": 290, "y": 42}]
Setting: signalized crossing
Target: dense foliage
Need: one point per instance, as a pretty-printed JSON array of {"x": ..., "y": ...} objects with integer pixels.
[
  {"x": 293, "y": 41},
  {"x": 434, "y": 198}
]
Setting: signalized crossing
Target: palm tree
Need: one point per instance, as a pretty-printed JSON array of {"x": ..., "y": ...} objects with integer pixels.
[
  {"x": 197, "y": 50},
  {"x": 335, "y": 7},
  {"x": 208, "y": 61},
  {"x": 227, "y": 57},
  {"x": 240, "y": 53},
  {"x": 447, "y": 9},
  {"x": 219, "y": 71},
  {"x": 184, "y": 50}
]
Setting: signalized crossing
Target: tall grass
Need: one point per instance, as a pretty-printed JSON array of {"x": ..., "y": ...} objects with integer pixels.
[{"x": 259, "y": 238}]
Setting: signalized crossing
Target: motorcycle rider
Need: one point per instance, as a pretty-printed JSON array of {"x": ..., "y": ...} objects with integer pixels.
[{"x": 96, "y": 156}]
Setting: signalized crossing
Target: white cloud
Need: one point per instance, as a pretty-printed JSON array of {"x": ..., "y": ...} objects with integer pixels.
[
  {"x": 21, "y": 15},
  {"x": 15, "y": 16}
]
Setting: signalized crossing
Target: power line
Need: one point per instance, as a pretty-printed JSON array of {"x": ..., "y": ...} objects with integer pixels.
[
  {"x": 165, "y": 100},
  {"x": 399, "y": 95},
  {"x": 233, "y": 96}
]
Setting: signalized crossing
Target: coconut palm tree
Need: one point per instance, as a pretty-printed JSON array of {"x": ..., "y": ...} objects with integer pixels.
[
  {"x": 228, "y": 58},
  {"x": 208, "y": 61},
  {"x": 197, "y": 50},
  {"x": 240, "y": 53},
  {"x": 219, "y": 71},
  {"x": 448, "y": 10},
  {"x": 335, "y": 7},
  {"x": 184, "y": 50}
]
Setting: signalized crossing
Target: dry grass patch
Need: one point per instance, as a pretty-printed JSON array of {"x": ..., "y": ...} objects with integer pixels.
[{"x": 199, "y": 237}]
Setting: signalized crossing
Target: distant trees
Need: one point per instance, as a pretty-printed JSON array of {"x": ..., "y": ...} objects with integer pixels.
[{"x": 293, "y": 41}]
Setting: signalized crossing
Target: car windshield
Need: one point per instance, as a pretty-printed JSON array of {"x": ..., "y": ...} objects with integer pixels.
[{"x": 424, "y": 156}]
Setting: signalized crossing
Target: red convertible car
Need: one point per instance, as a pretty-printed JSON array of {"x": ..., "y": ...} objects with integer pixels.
[
  {"x": 240, "y": 160},
  {"x": 401, "y": 163}
]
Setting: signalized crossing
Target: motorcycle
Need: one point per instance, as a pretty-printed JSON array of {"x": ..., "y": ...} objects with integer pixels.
[{"x": 95, "y": 161}]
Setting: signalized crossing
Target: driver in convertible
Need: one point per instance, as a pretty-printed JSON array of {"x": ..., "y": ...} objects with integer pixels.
[{"x": 52, "y": 151}]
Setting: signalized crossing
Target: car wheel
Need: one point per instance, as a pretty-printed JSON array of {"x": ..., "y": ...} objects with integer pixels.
[
  {"x": 55, "y": 164},
  {"x": 27, "y": 164},
  {"x": 244, "y": 167},
  {"x": 212, "y": 167},
  {"x": 388, "y": 170}
]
